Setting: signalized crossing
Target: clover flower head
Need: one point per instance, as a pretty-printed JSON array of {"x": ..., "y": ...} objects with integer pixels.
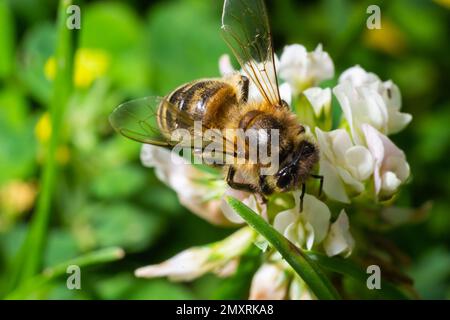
[
  {"x": 345, "y": 165},
  {"x": 312, "y": 226},
  {"x": 320, "y": 100},
  {"x": 339, "y": 239},
  {"x": 391, "y": 168},
  {"x": 364, "y": 98},
  {"x": 194, "y": 262},
  {"x": 304, "y": 228},
  {"x": 303, "y": 69}
]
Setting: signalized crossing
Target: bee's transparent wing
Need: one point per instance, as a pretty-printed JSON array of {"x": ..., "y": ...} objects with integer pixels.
[
  {"x": 140, "y": 120},
  {"x": 245, "y": 27},
  {"x": 137, "y": 120}
]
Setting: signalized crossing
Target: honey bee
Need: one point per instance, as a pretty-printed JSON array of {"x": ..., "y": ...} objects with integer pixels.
[{"x": 223, "y": 103}]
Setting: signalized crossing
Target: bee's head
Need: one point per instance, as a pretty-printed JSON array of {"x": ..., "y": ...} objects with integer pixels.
[{"x": 296, "y": 165}]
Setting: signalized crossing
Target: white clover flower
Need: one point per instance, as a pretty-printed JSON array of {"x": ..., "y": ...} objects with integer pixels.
[
  {"x": 305, "y": 228},
  {"x": 302, "y": 69},
  {"x": 184, "y": 179},
  {"x": 391, "y": 168},
  {"x": 249, "y": 200},
  {"x": 286, "y": 92},
  {"x": 345, "y": 166},
  {"x": 225, "y": 66},
  {"x": 298, "y": 290},
  {"x": 186, "y": 265},
  {"x": 339, "y": 240},
  {"x": 320, "y": 100},
  {"x": 359, "y": 77},
  {"x": 194, "y": 262},
  {"x": 270, "y": 282},
  {"x": 364, "y": 98}
]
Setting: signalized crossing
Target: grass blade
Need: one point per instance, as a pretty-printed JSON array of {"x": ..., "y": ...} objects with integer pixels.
[
  {"x": 92, "y": 258},
  {"x": 30, "y": 256},
  {"x": 306, "y": 268}
]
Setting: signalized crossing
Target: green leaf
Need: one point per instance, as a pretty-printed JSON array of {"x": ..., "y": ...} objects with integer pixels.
[
  {"x": 307, "y": 269},
  {"x": 431, "y": 273},
  {"x": 17, "y": 159},
  {"x": 113, "y": 27},
  {"x": 346, "y": 267},
  {"x": 126, "y": 286},
  {"x": 160, "y": 289},
  {"x": 187, "y": 55},
  {"x": 61, "y": 246},
  {"x": 123, "y": 225},
  {"x": 118, "y": 182},
  {"x": 38, "y": 47}
]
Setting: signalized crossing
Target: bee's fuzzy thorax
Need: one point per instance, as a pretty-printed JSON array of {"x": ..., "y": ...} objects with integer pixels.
[{"x": 292, "y": 136}]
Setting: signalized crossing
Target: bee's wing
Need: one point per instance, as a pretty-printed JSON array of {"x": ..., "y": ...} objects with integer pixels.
[
  {"x": 245, "y": 27},
  {"x": 140, "y": 120},
  {"x": 137, "y": 120}
]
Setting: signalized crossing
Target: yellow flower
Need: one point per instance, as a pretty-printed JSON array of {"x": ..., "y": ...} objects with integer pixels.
[
  {"x": 17, "y": 196},
  {"x": 50, "y": 68},
  {"x": 43, "y": 131},
  {"x": 444, "y": 3},
  {"x": 389, "y": 39},
  {"x": 43, "y": 128},
  {"x": 62, "y": 155},
  {"x": 90, "y": 64}
]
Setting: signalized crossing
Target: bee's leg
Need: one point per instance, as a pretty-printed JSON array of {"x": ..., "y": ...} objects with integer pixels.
[
  {"x": 302, "y": 195},
  {"x": 321, "y": 178},
  {"x": 237, "y": 185},
  {"x": 261, "y": 198},
  {"x": 244, "y": 85}
]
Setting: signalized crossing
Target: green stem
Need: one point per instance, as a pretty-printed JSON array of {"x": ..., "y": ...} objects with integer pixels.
[
  {"x": 306, "y": 268},
  {"x": 30, "y": 257}
]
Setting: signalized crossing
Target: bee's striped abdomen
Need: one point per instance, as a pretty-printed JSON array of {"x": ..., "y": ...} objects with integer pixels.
[{"x": 204, "y": 100}]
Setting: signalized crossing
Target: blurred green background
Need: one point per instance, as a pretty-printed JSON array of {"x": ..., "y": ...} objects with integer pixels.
[{"x": 104, "y": 197}]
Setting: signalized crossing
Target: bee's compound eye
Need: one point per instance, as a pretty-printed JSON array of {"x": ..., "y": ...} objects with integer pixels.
[
  {"x": 308, "y": 149},
  {"x": 284, "y": 179}
]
